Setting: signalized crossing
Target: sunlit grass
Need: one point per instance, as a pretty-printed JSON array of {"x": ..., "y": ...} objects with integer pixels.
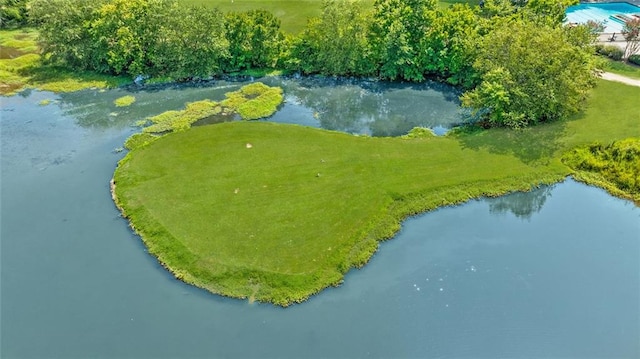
[
  {"x": 622, "y": 68},
  {"x": 293, "y": 14},
  {"x": 278, "y": 212}
]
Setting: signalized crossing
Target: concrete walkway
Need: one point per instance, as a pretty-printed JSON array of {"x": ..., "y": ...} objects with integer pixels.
[{"x": 619, "y": 78}]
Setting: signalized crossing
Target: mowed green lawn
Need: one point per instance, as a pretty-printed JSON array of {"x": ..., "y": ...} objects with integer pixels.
[
  {"x": 293, "y": 14},
  {"x": 287, "y": 216}
]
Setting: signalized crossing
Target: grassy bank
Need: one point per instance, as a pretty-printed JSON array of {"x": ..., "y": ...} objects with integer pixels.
[
  {"x": 622, "y": 68},
  {"x": 293, "y": 14},
  {"x": 288, "y": 215},
  {"x": 21, "y": 67}
]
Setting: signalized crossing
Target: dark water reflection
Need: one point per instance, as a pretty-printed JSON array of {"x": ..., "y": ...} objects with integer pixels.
[
  {"x": 520, "y": 204},
  {"x": 354, "y": 106},
  {"x": 559, "y": 278}
]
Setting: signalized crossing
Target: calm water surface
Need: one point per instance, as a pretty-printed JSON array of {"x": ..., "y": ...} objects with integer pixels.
[{"x": 551, "y": 273}]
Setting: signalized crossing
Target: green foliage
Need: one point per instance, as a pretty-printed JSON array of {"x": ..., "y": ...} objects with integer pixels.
[
  {"x": 255, "y": 40},
  {"x": 397, "y": 29},
  {"x": 124, "y": 32},
  {"x": 191, "y": 43},
  {"x": 616, "y": 164},
  {"x": 335, "y": 43},
  {"x": 448, "y": 48},
  {"x": 124, "y": 101},
  {"x": 138, "y": 140},
  {"x": 611, "y": 51},
  {"x": 419, "y": 132},
  {"x": 65, "y": 35},
  {"x": 173, "y": 121},
  {"x": 631, "y": 33},
  {"x": 531, "y": 73},
  {"x": 13, "y": 13},
  {"x": 254, "y": 101},
  {"x": 132, "y": 37},
  {"x": 549, "y": 12},
  {"x": 622, "y": 68},
  {"x": 634, "y": 59},
  {"x": 23, "y": 68},
  {"x": 497, "y": 8}
]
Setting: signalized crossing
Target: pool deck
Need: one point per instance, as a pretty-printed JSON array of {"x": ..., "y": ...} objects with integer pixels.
[{"x": 605, "y": 37}]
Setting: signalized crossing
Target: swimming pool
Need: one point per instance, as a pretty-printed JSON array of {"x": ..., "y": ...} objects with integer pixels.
[{"x": 603, "y": 12}]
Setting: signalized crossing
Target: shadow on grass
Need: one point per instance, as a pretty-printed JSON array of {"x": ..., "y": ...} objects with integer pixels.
[{"x": 534, "y": 145}]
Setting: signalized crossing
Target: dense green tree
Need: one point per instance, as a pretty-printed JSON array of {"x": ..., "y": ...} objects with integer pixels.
[
  {"x": 448, "y": 47},
  {"x": 335, "y": 43},
  {"x": 255, "y": 40},
  {"x": 530, "y": 73},
  {"x": 397, "y": 29},
  {"x": 191, "y": 43},
  {"x": 497, "y": 8},
  {"x": 65, "y": 36},
  {"x": 13, "y": 13},
  {"x": 552, "y": 12},
  {"x": 126, "y": 32}
]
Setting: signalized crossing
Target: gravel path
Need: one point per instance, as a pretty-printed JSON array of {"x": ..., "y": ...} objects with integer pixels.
[{"x": 619, "y": 78}]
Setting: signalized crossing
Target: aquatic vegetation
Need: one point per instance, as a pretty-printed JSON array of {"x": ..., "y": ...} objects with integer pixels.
[
  {"x": 615, "y": 167},
  {"x": 181, "y": 120},
  {"x": 254, "y": 101},
  {"x": 45, "y": 102},
  {"x": 139, "y": 139},
  {"x": 124, "y": 101}
]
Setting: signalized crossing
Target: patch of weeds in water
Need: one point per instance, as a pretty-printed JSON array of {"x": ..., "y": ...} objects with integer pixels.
[
  {"x": 139, "y": 140},
  {"x": 44, "y": 102},
  {"x": 254, "y": 101},
  {"x": 170, "y": 121},
  {"x": 124, "y": 101}
]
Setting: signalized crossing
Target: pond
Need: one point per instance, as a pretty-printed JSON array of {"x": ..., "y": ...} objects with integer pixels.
[
  {"x": 353, "y": 106},
  {"x": 550, "y": 273}
]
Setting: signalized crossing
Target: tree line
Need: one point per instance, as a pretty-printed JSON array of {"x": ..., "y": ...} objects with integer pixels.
[{"x": 517, "y": 62}]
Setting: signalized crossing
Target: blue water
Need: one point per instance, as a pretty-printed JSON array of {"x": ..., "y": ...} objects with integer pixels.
[
  {"x": 553, "y": 273},
  {"x": 601, "y": 13}
]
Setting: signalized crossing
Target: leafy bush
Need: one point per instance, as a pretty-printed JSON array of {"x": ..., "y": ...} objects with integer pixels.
[
  {"x": 634, "y": 59},
  {"x": 521, "y": 85},
  {"x": 419, "y": 132},
  {"x": 610, "y": 51},
  {"x": 617, "y": 164}
]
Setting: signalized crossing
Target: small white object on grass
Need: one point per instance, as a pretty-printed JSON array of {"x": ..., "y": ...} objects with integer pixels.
[{"x": 249, "y": 145}]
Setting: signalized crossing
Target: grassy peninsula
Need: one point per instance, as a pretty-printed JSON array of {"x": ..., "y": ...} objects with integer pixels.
[{"x": 276, "y": 213}]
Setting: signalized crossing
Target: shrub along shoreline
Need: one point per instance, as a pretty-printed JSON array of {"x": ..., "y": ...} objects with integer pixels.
[
  {"x": 517, "y": 61},
  {"x": 289, "y": 215}
]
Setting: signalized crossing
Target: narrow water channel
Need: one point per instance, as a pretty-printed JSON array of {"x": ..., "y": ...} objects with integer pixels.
[{"x": 551, "y": 273}]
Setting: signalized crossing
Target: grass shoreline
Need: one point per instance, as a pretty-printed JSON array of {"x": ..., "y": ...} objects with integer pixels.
[
  {"x": 267, "y": 187},
  {"x": 370, "y": 244}
]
